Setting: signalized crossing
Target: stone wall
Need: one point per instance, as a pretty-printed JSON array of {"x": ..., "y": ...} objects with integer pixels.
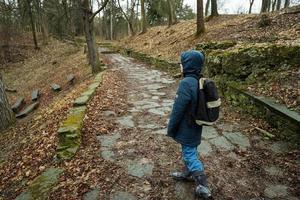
[
  {"x": 69, "y": 133},
  {"x": 278, "y": 116}
]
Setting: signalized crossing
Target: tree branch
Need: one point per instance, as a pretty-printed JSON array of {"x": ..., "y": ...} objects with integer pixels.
[
  {"x": 126, "y": 17},
  {"x": 101, "y": 8}
]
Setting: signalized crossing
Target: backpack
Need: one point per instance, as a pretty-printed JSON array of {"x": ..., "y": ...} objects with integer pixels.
[{"x": 209, "y": 103}]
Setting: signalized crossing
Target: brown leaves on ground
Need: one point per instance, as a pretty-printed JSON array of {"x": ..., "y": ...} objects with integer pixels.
[
  {"x": 284, "y": 87},
  {"x": 87, "y": 169},
  {"x": 28, "y": 147},
  {"x": 168, "y": 43},
  {"x": 51, "y": 64}
]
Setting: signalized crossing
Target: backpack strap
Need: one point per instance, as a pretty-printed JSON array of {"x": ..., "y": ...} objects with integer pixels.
[{"x": 201, "y": 83}]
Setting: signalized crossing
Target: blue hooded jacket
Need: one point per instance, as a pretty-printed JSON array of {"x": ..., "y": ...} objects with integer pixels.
[{"x": 182, "y": 127}]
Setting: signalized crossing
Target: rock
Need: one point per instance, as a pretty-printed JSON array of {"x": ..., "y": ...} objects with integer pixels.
[
  {"x": 276, "y": 191},
  {"x": 108, "y": 141},
  {"x": 274, "y": 171},
  {"x": 126, "y": 121},
  {"x": 107, "y": 154},
  {"x": 81, "y": 101},
  {"x": 109, "y": 113},
  {"x": 235, "y": 62},
  {"x": 42, "y": 185},
  {"x": 205, "y": 148},
  {"x": 161, "y": 131},
  {"x": 157, "y": 111},
  {"x": 18, "y": 105},
  {"x": 222, "y": 143},
  {"x": 239, "y": 139},
  {"x": 28, "y": 110},
  {"x": 69, "y": 134},
  {"x": 88, "y": 93},
  {"x": 149, "y": 126},
  {"x": 92, "y": 195},
  {"x": 55, "y": 87},
  {"x": 123, "y": 196},
  {"x": 35, "y": 95},
  {"x": 279, "y": 147},
  {"x": 139, "y": 168},
  {"x": 71, "y": 79},
  {"x": 94, "y": 85},
  {"x": 209, "y": 132}
]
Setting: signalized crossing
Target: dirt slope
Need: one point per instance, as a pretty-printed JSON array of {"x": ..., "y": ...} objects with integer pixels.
[{"x": 167, "y": 43}]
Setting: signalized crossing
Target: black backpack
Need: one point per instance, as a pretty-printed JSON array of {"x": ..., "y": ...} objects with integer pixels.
[{"x": 209, "y": 103}]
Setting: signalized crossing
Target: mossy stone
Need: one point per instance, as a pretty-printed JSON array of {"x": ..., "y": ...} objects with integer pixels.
[
  {"x": 42, "y": 185},
  {"x": 82, "y": 100},
  {"x": 69, "y": 133}
]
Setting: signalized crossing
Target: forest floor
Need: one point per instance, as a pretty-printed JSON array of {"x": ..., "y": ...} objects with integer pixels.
[
  {"x": 125, "y": 152},
  {"x": 28, "y": 147}
]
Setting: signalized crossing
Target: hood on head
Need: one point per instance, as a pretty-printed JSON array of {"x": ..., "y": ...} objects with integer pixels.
[{"x": 192, "y": 61}]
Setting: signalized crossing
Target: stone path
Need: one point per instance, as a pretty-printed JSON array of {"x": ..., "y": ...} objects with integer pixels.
[{"x": 141, "y": 148}]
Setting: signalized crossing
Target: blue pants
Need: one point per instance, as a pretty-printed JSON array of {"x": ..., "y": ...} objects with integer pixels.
[{"x": 191, "y": 160}]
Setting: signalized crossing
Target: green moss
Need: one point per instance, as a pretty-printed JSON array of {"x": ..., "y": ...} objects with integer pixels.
[
  {"x": 42, "y": 185},
  {"x": 70, "y": 133},
  {"x": 208, "y": 46},
  {"x": 242, "y": 62}
]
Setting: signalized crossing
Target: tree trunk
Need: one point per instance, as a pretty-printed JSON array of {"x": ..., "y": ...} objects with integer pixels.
[
  {"x": 286, "y": 3},
  {"x": 93, "y": 55},
  {"x": 172, "y": 14},
  {"x": 251, "y": 4},
  {"x": 138, "y": 27},
  {"x": 214, "y": 8},
  {"x": 200, "y": 18},
  {"x": 43, "y": 22},
  {"x": 264, "y": 6},
  {"x": 269, "y": 5},
  {"x": 32, "y": 24},
  {"x": 274, "y": 5},
  {"x": 143, "y": 13},
  {"x": 278, "y": 5},
  {"x": 207, "y": 7},
  {"x": 111, "y": 21},
  {"x": 128, "y": 20},
  {"x": 6, "y": 115}
]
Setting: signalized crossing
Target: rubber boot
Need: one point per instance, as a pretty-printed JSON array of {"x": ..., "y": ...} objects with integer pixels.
[
  {"x": 202, "y": 190},
  {"x": 184, "y": 175}
]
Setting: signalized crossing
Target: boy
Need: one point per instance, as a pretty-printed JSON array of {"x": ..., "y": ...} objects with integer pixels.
[{"x": 182, "y": 127}]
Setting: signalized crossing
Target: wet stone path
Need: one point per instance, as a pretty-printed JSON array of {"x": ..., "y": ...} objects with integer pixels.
[{"x": 147, "y": 156}]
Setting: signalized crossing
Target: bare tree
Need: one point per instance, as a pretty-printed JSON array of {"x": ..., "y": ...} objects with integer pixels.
[
  {"x": 6, "y": 115},
  {"x": 274, "y": 5},
  {"x": 251, "y": 4},
  {"x": 88, "y": 18},
  {"x": 286, "y": 3},
  {"x": 128, "y": 18},
  {"x": 172, "y": 13},
  {"x": 214, "y": 8},
  {"x": 278, "y": 5},
  {"x": 111, "y": 20},
  {"x": 207, "y": 7},
  {"x": 264, "y": 6},
  {"x": 33, "y": 30},
  {"x": 143, "y": 13},
  {"x": 200, "y": 18}
]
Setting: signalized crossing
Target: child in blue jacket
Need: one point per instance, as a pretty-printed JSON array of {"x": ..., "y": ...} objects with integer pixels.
[{"x": 182, "y": 127}]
